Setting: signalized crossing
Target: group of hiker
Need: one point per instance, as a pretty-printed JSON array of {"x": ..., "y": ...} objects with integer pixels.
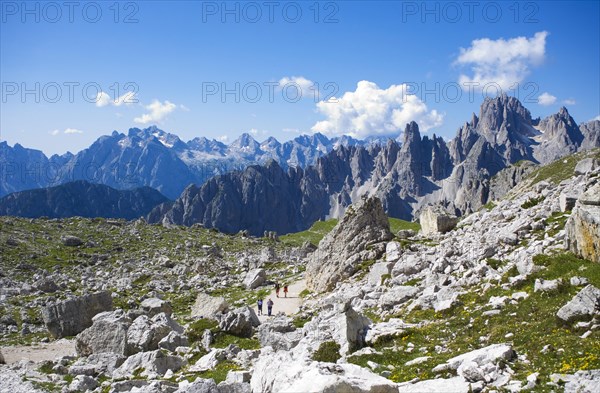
[{"x": 270, "y": 301}]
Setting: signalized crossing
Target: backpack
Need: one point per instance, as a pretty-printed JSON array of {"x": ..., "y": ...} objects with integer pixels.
[{"x": 260, "y": 303}]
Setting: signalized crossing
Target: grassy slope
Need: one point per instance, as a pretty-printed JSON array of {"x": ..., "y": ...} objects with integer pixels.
[{"x": 320, "y": 228}]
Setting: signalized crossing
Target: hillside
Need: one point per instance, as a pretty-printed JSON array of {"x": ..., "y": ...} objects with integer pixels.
[{"x": 473, "y": 309}]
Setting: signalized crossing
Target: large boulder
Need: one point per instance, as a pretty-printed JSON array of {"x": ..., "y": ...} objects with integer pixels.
[
  {"x": 145, "y": 333},
  {"x": 207, "y": 306},
  {"x": 153, "y": 306},
  {"x": 357, "y": 237},
  {"x": 108, "y": 333},
  {"x": 279, "y": 333},
  {"x": 583, "y": 227},
  {"x": 255, "y": 278},
  {"x": 280, "y": 372},
  {"x": 341, "y": 324},
  {"x": 149, "y": 364},
  {"x": 72, "y": 316},
  {"x": 582, "y": 306},
  {"x": 434, "y": 219},
  {"x": 239, "y": 322}
]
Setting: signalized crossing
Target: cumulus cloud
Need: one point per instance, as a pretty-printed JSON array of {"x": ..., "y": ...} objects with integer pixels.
[
  {"x": 546, "y": 99},
  {"x": 597, "y": 118},
  {"x": 54, "y": 132},
  {"x": 103, "y": 99},
  {"x": 501, "y": 62},
  {"x": 223, "y": 138},
  {"x": 370, "y": 110},
  {"x": 158, "y": 111},
  {"x": 569, "y": 101}
]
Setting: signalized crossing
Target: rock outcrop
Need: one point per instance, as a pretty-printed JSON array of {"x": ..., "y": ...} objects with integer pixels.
[
  {"x": 358, "y": 237},
  {"x": 583, "y": 227},
  {"x": 72, "y": 316}
]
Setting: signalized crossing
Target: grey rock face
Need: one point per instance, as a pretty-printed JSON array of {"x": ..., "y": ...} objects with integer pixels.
[
  {"x": 582, "y": 306},
  {"x": 561, "y": 137},
  {"x": 69, "y": 317},
  {"x": 583, "y": 227},
  {"x": 345, "y": 247}
]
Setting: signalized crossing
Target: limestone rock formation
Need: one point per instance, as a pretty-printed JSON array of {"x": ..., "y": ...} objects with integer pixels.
[{"x": 357, "y": 237}]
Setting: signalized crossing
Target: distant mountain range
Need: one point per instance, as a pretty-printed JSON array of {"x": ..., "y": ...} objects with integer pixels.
[
  {"x": 83, "y": 199},
  {"x": 157, "y": 159},
  {"x": 405, "y": 176},
  {"x": 286, "y": 187}
]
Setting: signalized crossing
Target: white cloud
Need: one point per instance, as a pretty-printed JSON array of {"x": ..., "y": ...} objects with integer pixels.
[
  {"x": 158, "y": 111},
  {"x": 184, "y": 108},
  {"x": 597, "y": 118},
  {"x": 223, "y": 138},
  {"x": 546, "y": 99},
  {"x": 569, "y": 101},
  {"x": 103, "y": 99},
  {"x": 501, "y": 62},
  {"x": 73, "y": 131},
  {"x": 54, "y": 133},
  {"x": 370, "y": 110},
  {"x": 305, "y": 87}
]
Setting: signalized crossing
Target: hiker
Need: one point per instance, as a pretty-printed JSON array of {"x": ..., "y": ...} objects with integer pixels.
[
  {"x": 260, "y": 303},
  {"x": 277, "y": 289},
  {"x": 269, "y": 307},
  {"x": 285, "y": 290}
]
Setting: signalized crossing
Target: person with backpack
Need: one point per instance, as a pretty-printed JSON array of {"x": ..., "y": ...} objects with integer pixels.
[
  {"x": 285, "y": 290},
  {"x": 269, "y": 307},
  {"x": 260, "y": 304},
  {"x": 277, "y": 289}
]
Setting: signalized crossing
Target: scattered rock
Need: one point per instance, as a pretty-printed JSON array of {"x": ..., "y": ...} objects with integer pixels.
[
  {"x": 108, "y": 333},
  {"x": 541, "y": 285},
  {"x": 151, "y": 364},
  {"x": 582, "y": 306},
  {"x": 71, "y": 241}
]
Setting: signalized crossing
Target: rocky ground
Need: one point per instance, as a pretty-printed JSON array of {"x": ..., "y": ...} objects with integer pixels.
[{"x": 505, "y": 299}]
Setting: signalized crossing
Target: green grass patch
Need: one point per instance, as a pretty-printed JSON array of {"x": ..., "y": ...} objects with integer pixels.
[
  {"x": 397, "y": 224},
  {"x": 532, "y": 202},
  {"x": 329, "y": 351}
]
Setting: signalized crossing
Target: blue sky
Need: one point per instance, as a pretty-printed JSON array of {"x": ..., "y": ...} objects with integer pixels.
[{"x": 377, "y": 58}]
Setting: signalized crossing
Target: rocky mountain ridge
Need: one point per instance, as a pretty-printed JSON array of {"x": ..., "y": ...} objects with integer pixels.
[
  {"x": 406, "y": 176},
  {"x": 154, "y": 158}
]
